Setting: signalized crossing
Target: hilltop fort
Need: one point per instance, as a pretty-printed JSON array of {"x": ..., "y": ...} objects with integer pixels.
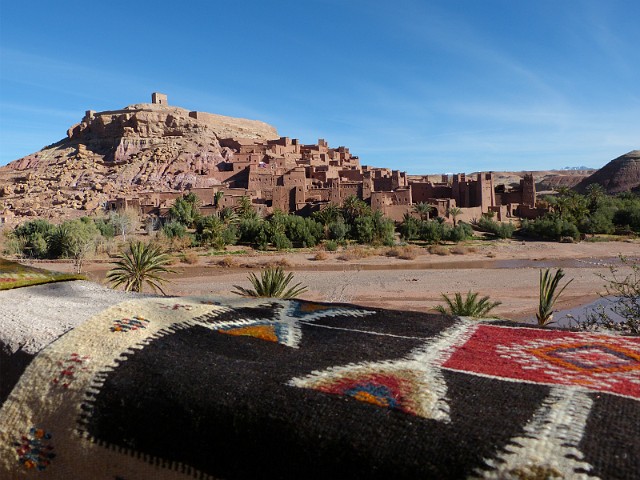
[{"x": 146, "y": 155}]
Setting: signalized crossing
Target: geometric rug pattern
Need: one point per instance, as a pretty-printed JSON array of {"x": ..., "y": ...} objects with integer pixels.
[
  {"x": 588, "y": 361},
  {"x": 266, "y": 388}
]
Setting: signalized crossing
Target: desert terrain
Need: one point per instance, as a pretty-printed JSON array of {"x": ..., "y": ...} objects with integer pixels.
[{"x": 506, "y": 270}]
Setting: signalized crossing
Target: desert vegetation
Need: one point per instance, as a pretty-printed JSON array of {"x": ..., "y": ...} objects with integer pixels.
[
  {"x": 622, "y": 296},
  {"x": 433, "y": 231},
  {"x": 572, "y": 215},
  {"x": 141, "y": 264},
  {"x": 273, "y": 283},
  {"x": 75, "y": 239},
  {"x": 549, "y": 295},
  {"x": 470, "y": 306}
]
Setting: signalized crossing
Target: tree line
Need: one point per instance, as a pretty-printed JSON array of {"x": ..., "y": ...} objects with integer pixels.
[{"x": 570, "y": 215}]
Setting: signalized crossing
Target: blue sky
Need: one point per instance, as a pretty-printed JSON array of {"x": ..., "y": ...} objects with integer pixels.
[{"x": 423, "y": 86}]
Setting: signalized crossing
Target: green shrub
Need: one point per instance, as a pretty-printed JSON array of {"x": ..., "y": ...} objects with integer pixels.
[
  {"x": 338, "y": 230},
  {"x": 409, "y": 229},
  {"x": 600, "y": 221},
  {"x": 364, "y": 230},
  {"x": 304, "y": 232},
  {"x": 331, "y": 245},
  {"x": 33, "y": 226},
  {"x": 461, "y": 232},
  {"x": 550, "y": 227},
  {"x": 499, "y": 229},
  {"x": 251, "y": 231},
  {"x": 628, "y": 216},
  {"x": 32, "y": 237},
  {"x": 36, "y": 246},
  {"x": 272, "y": 283},
  {"x": 106, "y": 228},
  {"x": 281, "y": 241},
  {"x": 174, "y": 229},
  {"x": 431, "y": 231}
]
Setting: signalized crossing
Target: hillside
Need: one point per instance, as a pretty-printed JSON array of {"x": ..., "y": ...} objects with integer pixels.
[
  {"x": 150, "y": 147},
  {"x": 154, "y": 147},
  {"x": 619, "y": 175}
]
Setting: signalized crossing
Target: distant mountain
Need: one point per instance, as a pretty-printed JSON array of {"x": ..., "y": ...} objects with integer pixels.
[
  {"x": 578, "y": 168},
  {"x": 619, "y": 175}
]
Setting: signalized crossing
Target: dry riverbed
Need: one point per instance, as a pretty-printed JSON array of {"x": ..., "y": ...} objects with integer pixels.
[{"x": 505, "y": 270}]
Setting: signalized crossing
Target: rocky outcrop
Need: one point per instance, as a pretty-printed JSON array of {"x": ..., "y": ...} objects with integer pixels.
[
  {"x": 619, "y": 175},
  {"x": 143, "y": 147}
]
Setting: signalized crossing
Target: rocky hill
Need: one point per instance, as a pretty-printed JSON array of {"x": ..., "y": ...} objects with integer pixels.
[
  {"x": 619, "y": 175},
  {"x": 148, "y": 147},
  {"x": 154, "y": 147}
]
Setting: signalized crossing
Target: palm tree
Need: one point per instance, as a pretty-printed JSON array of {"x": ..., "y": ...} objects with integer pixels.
[
  {"x": 209, "y": 230},
  {"x": 245, "y": 207},
  {"x": 216, "y": 199},
  {"x": 186, "y": 210},
  {"x": 548, "y": 295},
  {"x": 469, "y": 307},
  {"x": 272, "y": 283},
  {"x": 328, "y": 214},
  {"x": 454, "y": 212},
  {"x": 229, "y": 216},
  {"x": 353, "y": 207},
  {"x": 595, "y": 194},
  {"x": 423, "y": 209},
  {"x": 141, "y": 263}
]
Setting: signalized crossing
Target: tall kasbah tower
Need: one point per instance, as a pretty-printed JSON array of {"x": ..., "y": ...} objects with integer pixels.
[
  {"x": 367, "y": 185},
  {"x": 457, "y": 192},
  {"x": 528, "y": 190},
  {"x": 486, "y": 191}
]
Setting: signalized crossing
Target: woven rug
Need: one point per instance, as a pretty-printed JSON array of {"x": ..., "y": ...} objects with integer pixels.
[
  {"x": 190, "y": 388},
  {"x": 13, "y": 275}
]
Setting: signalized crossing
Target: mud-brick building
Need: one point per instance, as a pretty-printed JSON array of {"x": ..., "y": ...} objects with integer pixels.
[
  {"x": 476, "y": 195},
  {"x": 283, "y": 174}
]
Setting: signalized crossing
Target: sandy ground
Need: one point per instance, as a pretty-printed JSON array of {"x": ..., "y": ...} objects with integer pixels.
[{"x": 507, "y": 271}]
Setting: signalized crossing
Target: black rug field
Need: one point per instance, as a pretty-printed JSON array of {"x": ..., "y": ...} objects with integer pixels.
[{"x": 190, "y": 388}]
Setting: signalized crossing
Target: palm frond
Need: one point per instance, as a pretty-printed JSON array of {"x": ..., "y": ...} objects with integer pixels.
[
  {"x": 548, "y": 295},
  {"x": 272, "y": 283},
  {"x": 141, "y": 264},
  {"x": 467, "y": 307}
]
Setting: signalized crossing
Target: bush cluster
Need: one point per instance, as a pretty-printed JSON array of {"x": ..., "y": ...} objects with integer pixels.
[
  {"x": 433, "y": 231},
  {"x": 71, "y": 239},
  {"x": 498, "y": 229},
  {"x": 354, "y": 221},
  {"x": 593, "y": 213}
]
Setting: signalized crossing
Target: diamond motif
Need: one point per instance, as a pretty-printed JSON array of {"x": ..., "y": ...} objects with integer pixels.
[
  {"x": 593, "y": 362},
  {"x": 590, "y": 357}
]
